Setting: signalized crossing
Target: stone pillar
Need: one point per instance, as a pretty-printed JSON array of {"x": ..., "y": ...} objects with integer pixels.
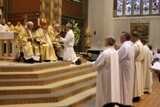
[
  {"x": 51, "y": 10},
  {"x": 85, "y": 16}
]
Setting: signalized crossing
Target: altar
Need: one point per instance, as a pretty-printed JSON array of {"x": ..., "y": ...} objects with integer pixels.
[{"x": 8, "y": 44}]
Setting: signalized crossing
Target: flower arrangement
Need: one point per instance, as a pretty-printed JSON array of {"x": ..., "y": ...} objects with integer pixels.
[{"x": 76, "y": 31}]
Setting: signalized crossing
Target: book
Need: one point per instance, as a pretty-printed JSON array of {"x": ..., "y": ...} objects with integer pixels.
[
  {"x": 156, "y": 67},
  {"x": 61, "y": 33}
]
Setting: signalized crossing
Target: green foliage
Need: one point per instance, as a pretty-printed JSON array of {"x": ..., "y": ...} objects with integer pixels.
[{"x": 76, "y": 31}]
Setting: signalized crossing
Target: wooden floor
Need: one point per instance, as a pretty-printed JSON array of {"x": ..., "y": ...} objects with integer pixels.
[
  {"x": 152, "y": 99},
  {"x": 147, "y": 100}
]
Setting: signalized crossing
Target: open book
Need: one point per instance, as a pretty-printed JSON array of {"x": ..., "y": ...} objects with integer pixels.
[
  {"x": 60, "y": 33},
  {"x": 156, "y": 67}
]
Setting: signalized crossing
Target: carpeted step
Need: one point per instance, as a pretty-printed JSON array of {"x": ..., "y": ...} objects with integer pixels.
[
  {"x": 73, "y": 101},
  {"x": 24, "y": 67},
  {"x": 42, "y": 73},
  {"x": 45, "y": 80},
  {"x": 53, "y": 97},
  {"x": 89, "y": 103},
  {"x": 50, "y": 88}
]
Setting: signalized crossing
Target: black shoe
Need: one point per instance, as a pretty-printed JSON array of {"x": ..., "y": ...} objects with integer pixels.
[
  {"x": 31, "y": 61},
  {"x": 37, "y": 61},
  {"x": 59, "y": 58},
  {"x": 146, "y": 92},
  {"x": 78, "y": 62},
  {"x": 136, "y": 99},
  {"x": 47, "y": 60}
]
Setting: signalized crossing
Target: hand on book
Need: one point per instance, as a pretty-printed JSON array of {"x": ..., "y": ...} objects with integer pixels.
[{"x": 58, "y": 36}]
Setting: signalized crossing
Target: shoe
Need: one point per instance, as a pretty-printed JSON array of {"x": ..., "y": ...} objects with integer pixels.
[
  {"x": 136, "y": 99},
  {"x": 59, "y": 58},
  {"x": 47, "y": 60},
  {"x": 31, "y": 61},
  {"x": 37, "y": 61},
  {"x": 146, "y": 92},
  {"x": 78, "y": 62}
]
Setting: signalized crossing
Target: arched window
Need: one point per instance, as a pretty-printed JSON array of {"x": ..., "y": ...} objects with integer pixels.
[{"x": 136, "y": 8}]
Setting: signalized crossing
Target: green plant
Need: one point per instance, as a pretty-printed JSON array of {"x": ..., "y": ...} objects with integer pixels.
[{"x": 76, "y": 31}]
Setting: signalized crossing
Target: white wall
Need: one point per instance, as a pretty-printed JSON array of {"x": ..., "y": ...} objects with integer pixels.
[{"x": 101, "y": 20}]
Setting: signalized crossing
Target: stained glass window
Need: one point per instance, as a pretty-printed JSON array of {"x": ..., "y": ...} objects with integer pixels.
[
  {"x": 128, "y": 7},
  {"x": 155, "y": 6},
  {"x": 137, "y": 7},
  {"x": 146, "y": 4},
  {"x": 119, "y": 7}
]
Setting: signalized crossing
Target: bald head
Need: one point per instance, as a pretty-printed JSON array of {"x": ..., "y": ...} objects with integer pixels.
[
  {"x": 30, "y": 25},
  {"x": 9, "y": 23},
  {"x": 57, "y": 27}
]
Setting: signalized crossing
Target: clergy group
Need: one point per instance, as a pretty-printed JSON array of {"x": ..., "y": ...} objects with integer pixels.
[
  {"x": 123, "y": 71},
  {"x": 45, "y": 44}
]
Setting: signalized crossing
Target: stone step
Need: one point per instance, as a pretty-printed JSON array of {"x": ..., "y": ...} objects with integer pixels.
[
  {"x": 53, "y": 97},
  {"x": 24, "y": 67},
  {"x": 73, "y": 101},
  {"x": 45, "y": 80},
  {"x": 42, "y": 73},
  {"x": 46, "y": 89}
]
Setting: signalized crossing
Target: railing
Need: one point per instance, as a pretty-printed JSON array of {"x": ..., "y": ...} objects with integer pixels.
[{"x": 8, "y": 43}]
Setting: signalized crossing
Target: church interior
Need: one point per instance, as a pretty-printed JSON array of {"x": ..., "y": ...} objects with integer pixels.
[{"x": 57, "y": 83}]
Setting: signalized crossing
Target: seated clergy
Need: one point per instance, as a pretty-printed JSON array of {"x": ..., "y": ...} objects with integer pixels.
[
  {"x": 3, "y": 26},
  {"x": 51, "y": 27},
  {"x": 11, "y": 27},
  {"x": 29, "y": 48},
  {"x": 18, "y": 27},
  {"x": 55, "y": 41},
  {"x": 48, "y": 53}
]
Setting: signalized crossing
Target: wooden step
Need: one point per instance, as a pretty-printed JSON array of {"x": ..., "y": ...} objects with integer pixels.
[
  {"x": 46, "y": 98},
  {"x": 46, "y": 89},
  {"x": 73, "y": 101},
  {"x": 45, "y": 80},
  {"x": 42, "y": 73}
]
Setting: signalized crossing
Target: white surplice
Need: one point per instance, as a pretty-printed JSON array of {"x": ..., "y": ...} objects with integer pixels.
[
  {"x": 69, "y": 53},
  {"x": 157, "y": 55},
  {"x": 108, "y": 84},
  {"x": 147, "y": 75},
  {"x": 138, "y": 80},
  {"x": 126, "y": 64},
  {"x": 4, "y": 28}
]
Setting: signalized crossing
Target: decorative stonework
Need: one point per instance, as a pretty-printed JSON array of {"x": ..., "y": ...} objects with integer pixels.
[{"x": 51, "y": 10}]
